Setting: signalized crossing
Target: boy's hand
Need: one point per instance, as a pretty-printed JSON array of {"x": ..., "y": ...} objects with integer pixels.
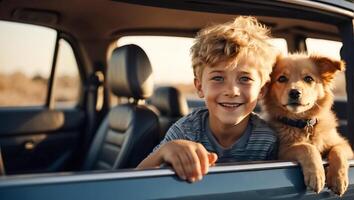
[{"x": 190, "y": 160}]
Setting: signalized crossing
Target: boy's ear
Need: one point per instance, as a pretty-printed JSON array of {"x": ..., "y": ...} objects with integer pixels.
[
  {"x": 327, "y": 67},
  {"x": 198, "y": 86}
]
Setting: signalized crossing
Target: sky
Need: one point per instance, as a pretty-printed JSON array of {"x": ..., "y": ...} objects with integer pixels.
[
  {"x": 30, "y": 48},
  {"x": 26, "y": 48}
]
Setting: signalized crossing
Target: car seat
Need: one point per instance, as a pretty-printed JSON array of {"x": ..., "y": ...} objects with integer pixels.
[
  {"x": 129, "y": 131},
  {"x": 171, "y": 106}
]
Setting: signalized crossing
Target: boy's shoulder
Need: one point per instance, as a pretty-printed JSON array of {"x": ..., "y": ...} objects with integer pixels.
[{"x": 194, "y": 121}]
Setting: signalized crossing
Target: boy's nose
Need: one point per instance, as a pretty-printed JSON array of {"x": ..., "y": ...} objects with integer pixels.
[{"x": 233, "y": 90}]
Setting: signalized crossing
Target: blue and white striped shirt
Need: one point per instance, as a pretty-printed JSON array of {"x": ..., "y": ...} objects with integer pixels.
[{"x": 258, "y": 142}]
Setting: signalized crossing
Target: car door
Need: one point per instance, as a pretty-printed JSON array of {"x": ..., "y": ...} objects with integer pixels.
[
  {"x": 268, "y": 180},
  {"x": 41, "y": 112}
]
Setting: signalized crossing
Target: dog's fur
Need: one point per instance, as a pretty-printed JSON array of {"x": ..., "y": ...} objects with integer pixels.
[{"x": 311, "y": 76}]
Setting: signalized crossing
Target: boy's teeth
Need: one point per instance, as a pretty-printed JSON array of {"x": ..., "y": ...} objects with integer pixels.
[{"x": 231, "y": 105}]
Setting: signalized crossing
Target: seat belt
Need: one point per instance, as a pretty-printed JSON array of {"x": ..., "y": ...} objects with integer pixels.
[
  {"x": 94, "y": 83},
  {"x": 2, "y": 167},
  {"x": 91, "y": 87}
]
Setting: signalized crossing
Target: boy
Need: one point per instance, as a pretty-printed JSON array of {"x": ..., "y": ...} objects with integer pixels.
[{"x": 231, "y": 64}]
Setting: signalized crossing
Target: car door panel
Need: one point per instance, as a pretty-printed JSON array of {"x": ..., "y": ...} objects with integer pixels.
[{"x": 39, "y": 139}]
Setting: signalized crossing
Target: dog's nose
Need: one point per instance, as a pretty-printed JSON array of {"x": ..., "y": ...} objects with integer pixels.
[{"x": 294, "y": 94}]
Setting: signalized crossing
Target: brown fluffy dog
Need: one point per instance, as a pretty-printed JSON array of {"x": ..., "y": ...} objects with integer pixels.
[{"x": 298, "y": 105}]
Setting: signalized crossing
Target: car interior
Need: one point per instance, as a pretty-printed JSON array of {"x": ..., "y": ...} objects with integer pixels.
[
  {"x": 130, "y": 131},
  {"x": 98, "y": 134},
  {"x": 170, "y": 105}
]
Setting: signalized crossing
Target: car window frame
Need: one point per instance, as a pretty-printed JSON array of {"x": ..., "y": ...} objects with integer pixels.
[{"x": 224, "y": 181}]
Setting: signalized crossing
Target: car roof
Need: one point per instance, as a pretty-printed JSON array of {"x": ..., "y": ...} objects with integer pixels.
[
  {"x": 107, "y": 19},
  {"x": 97, "y": 23}
]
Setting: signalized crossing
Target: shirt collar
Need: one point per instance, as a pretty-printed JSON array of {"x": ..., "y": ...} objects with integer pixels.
[{"x": 241, "y": 143}]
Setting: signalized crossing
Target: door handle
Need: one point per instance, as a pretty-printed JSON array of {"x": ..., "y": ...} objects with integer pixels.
[{"x": 29, "y": 145}]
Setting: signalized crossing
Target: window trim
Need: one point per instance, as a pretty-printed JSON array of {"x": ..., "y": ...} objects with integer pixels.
[
  {"x": 50, "y": 99},
  {"x": 70, "y": 177}
]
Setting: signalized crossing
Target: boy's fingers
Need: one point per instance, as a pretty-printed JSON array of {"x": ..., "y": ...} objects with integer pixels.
[
  {"x": 186, "y": 162},
  {"x": 188, "y": 166},
  {"x": 212, "y": 158},
  {"x": 204, "y": 160},
  {"x": 194, "y": 165},
  {"x": 178, "y": 166}
]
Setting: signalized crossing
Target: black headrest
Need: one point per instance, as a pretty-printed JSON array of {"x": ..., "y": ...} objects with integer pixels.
[
  {"x": 169, "y": 101},
  {"x": 130, "y": 73}
]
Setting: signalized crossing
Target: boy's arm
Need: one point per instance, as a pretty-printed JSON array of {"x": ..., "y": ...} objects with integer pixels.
[
  {"x": 190, "y": 160},
  {"x": 153, "y": 160}
]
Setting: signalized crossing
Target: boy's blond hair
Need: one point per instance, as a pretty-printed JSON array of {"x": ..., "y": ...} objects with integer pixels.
[{"x": 244, "y": 37}]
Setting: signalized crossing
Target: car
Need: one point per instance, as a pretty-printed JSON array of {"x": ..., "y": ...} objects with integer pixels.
[{"x": 56, "y": 91}]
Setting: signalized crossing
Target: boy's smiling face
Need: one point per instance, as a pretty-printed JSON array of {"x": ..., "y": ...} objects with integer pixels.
[{"x": 230, "y": 92}]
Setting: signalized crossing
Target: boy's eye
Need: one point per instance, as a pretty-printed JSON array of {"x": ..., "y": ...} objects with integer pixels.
[
  {"x": 217, "y": 78},
  {"x": 282, "y": 79},
  {"x": 245, "y": 79},
  {"x": 308, "y": 79}
]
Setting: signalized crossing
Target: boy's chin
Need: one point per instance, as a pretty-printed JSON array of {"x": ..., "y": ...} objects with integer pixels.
[{"x": 231, "y": 122}]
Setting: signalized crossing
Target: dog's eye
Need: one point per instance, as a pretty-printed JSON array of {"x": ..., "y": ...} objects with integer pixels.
[
  {"x": 308, "y": 79},
  {"x": 282, "y": 79}
]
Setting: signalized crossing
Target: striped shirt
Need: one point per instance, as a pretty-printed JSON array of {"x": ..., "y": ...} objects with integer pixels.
[{"x": 258, "y": 142}]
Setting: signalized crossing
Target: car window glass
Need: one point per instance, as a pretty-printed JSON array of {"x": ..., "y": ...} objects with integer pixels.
[
  {"x": 331, "y": 49},
  {"x": 26, "y": 55},
  {"x": 67, "y": 80},
  {"x": 171, "y": 61}
]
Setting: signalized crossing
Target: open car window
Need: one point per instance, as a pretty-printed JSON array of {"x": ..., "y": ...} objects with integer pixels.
[
  {"x": 26, "y": 63},
  {"x": 26, "y": 57},
  {"x": 171, "y": 61}
]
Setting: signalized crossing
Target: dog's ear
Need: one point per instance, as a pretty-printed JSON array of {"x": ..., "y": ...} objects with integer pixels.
[
  {"x": 327, "y": 67},
  {"x": 275, "y": 64}
]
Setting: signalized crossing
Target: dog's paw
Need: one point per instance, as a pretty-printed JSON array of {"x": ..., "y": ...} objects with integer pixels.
[
  {"x": 315, "y": 178},
  {"x": 337, "y": 180}
]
